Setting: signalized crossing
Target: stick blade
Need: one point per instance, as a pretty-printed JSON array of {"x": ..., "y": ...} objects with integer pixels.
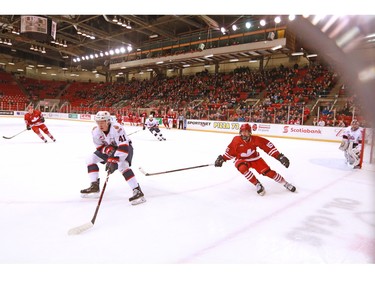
[
  {"x": 143, "y": 171},
  {"x": 8, "y": 138},
  {"x": 79, "y": 229}
]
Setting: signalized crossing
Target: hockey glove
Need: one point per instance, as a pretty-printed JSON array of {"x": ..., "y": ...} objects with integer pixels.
[
  {"x": 108, "y": 149},
  {"x": 283, "y": 159},
  {"x": 112, "y": 164},
  {"x": 42, "y": 119},
  {"x": 344, "y": 145},
  {"x": 28, "y": 127},
  {"x": 219, "y": 161}
]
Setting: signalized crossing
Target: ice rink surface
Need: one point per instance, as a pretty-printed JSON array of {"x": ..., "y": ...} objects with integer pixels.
[{"x": 201, "y": 216}]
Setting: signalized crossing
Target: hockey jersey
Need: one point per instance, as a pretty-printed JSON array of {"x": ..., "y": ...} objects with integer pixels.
[
  {"x": 33, "y": 119},
  {"x": 116, "y": 137},
  {"x": 152, "y": 124},
  {"x": 240, "y": 149},
  {"x": 354, "y": 136}
]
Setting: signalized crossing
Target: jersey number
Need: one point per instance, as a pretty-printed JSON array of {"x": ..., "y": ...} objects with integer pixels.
[{"x": 121, "y": 138}]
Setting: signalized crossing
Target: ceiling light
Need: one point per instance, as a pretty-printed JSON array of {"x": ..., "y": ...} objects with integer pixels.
[
  {"x": 297, "y": 54},
  {"x": 276, "y": 47}
]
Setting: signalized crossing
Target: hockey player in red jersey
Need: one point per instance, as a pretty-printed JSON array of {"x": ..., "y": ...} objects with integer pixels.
[
  {"x": 113, "y": 148},
  {"x": 34, "y": 120},
  {"x": 243, "y": 149},
  {"x": 119, "y": 118},
  {"x": 166, "y": 121}
]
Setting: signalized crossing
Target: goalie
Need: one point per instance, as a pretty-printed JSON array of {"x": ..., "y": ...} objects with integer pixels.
[{"x": 352, "y": 144}]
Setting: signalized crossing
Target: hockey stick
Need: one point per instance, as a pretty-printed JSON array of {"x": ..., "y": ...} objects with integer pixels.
[
  {"x": 8, "y": 138},
  {"x": 134, "y": 132},
  {"x": 86, "y": 226},
  {"x": 171, "y": 171}
]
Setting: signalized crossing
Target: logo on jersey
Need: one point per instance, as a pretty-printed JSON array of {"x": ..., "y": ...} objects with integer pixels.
[{"x": 247, "y": 153}]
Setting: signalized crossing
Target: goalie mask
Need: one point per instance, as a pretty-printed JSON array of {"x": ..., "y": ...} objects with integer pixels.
[
  {"x": 354, "y": 125},
  {"x": 245, "y": 132}
]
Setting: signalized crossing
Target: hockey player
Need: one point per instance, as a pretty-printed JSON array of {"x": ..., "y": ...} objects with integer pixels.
[
  {"x": 243, "y": 149},
  {"x": 114, "y": 148},
  {"x": 119, "y": 118},
  {"x": 166, "y": 122},
  {"x": 351, "y": 144},
  {"x": 153, "y": 126},
  {"x": 34, "y": 120}
]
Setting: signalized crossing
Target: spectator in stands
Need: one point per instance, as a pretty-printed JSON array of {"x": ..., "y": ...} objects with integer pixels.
[{"x": 321, "y": 122}]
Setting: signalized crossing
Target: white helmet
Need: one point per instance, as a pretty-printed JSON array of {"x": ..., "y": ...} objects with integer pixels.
[
  {"x": 102, "y": 115},
  {"x": 151, "y": 117}
]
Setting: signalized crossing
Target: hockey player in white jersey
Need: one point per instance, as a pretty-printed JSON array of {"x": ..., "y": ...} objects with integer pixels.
[
  {"x": 153, "y": 126},
  {"x": 351, "y": 144},
  {"x": 113, "y": 148}
]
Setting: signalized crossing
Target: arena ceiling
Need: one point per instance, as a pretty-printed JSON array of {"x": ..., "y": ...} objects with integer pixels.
[
  {"x": 95, "y": 34},
  {"x": 85, "y": 35}
]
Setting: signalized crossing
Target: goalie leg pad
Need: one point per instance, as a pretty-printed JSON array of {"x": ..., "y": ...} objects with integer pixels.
[{"x": 353, "y": 156}]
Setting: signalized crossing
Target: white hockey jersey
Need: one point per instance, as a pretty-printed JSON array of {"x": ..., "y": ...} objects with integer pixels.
[
  {"x": 116, "y": 137},
  {"x": 354, "y": 136},
  {"x": 152, "y": 124}
]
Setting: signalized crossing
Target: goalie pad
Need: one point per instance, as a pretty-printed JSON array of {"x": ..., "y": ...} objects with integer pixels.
[
  {"x": 353, "y": 155},
  {"x": 344, "y": 145}
]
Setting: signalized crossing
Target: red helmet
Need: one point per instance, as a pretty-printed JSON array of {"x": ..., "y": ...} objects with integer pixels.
[{"x": 245, "y": 127}]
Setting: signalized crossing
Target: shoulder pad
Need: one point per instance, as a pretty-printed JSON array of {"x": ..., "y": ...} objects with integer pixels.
[{"x": 116, "y": 127}]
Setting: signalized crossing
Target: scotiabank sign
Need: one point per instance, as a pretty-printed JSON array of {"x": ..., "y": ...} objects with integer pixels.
[{"x": 292, "y": 129}]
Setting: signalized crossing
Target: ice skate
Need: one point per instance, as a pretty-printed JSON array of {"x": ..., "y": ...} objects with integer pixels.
[
  {"x": 138, "y": 196},
  {"x": 92, "y": 191},
  {"x": 290, "y": 187},
  {"x": 260, "y": 189}
]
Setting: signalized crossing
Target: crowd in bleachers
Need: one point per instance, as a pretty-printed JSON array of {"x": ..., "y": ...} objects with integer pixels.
[{"x": 285, "y": 95}]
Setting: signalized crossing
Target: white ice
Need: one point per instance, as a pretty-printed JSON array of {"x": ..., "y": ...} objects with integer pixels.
[{"x": 207, "y": 215}]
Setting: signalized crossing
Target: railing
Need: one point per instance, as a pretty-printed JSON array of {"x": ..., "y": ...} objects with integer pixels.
[{"x": 9, "y": 105}]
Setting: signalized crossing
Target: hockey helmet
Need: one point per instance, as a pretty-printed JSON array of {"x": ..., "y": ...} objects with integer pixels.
[
  {"x": 245, "y": 127},
  {"x": 151, "y": 117},
  {"x": 102, "y": 116}
]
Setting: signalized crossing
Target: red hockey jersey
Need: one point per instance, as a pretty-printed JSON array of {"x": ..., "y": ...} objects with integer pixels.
[
  {"x": 240, "y": 149},
  {"x": 33, "y": 118}
]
